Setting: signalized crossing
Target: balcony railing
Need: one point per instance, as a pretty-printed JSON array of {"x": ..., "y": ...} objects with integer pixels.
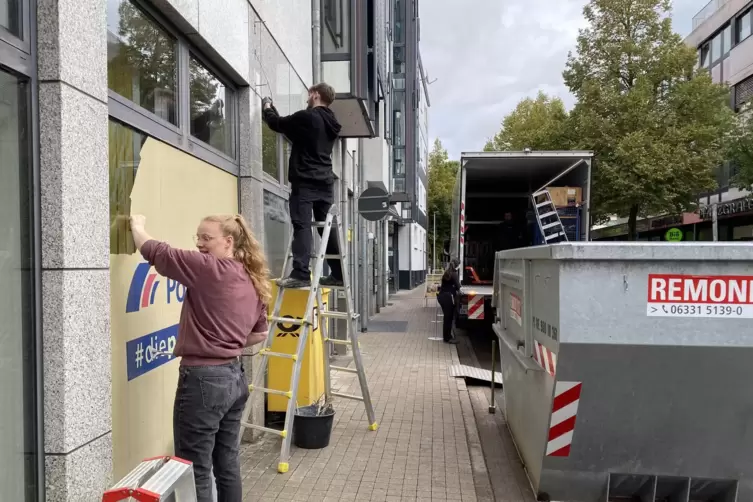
[{"x": 707, "y": 12}]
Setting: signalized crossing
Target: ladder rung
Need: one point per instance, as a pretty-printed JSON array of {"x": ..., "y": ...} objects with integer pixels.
[
  {"x": 335, "y": 287},
  {"x": 338, "y": 342},
  {"x": 550, "y": 225},
  {"x": 314, "y": 256},
  {"x": 337, "y": 315},
  {"x": 343, "y": 368},
  {"x": 547, "y": 215},
  {"x": 277, "y": 354},
  {"x": 348, "y": 396},
  {"x": 538, "y": 194},
  {"x": 552, "y": 236},
  {"x": 547, "y": 203},
  {"x": 283, "y": 393},
  {"x": 319, "y": 224},
  {"x": 262, "y": 428},
  {"x": 288, "y": 320}
]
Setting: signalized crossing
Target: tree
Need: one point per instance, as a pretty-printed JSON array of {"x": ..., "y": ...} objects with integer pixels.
[
  {"x": 442, "y": 174},
  {"x": 539, "y": 124},
  {"x": 741, "y": 150},
  {"x": 656, "y": 125}
]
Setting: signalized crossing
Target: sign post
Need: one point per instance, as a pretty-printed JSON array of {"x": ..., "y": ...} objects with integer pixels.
[{"x": 715, "y": 221}]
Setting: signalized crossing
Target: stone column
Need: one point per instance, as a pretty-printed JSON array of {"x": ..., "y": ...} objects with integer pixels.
[
  {"x": 75, "y": 248},
  {"x": 251, "y": 202}
]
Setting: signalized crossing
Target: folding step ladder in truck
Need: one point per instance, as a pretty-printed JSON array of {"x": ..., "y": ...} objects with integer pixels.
[{"x": 307, "y": 324}]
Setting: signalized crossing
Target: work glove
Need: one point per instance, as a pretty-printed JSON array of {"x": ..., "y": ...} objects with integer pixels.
[{"x": 266, "y": 101}]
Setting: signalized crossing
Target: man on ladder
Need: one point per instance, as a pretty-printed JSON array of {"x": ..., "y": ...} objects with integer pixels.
[{"x": 313, "y": 132}]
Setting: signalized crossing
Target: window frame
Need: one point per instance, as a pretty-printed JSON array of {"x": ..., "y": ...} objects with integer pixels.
[
  {"x": 22, "y": 41},
  {"x": 231, "y": 108},
  {"x": 336, "y": 30},
  {"x": 738, "y": 19},
  {"x": 179, "y": 136},
  {"x": 18, "y": 57},
  {"x": 708, "y": 45}
]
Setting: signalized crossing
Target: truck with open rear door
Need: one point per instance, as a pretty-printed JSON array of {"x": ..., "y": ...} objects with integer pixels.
[{"x": 492, "y": 210}]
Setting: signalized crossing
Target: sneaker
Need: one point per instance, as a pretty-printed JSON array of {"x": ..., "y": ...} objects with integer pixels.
[
  {"x": 328, "y": 280},
  {"x": 294, "y": 283}
]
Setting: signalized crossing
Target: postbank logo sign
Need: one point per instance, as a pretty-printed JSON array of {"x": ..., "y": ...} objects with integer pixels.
[
  {"x": 143, "y": 289},
  {"x": 152, "y": 350}
]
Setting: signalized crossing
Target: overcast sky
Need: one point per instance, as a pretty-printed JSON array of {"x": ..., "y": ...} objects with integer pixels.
[{"x": 493, "y": 53}]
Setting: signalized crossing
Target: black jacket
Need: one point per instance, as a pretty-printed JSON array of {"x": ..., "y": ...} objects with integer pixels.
[
  {"x": 313, "y": 133},
  {"x": 450, "y": 285}
]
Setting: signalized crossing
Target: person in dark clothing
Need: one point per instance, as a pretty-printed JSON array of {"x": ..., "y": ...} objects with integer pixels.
[
  {"x": 447, "y": 296},
  {"x": 313, "y": 132},
  {"x": 510, "y": 234}
]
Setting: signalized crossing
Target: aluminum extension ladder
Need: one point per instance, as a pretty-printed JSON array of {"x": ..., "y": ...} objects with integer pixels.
[
  {"x": 307, "y": 323},
  {"x": 548, "y": 218},
  {"x": 158, "y": 479}
]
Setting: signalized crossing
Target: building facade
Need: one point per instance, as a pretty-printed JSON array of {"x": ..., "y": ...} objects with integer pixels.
[
  {"x": 410, "y": 151},
  {"x": 114, "y": 107},
  {"x": 722, "y": 34}
]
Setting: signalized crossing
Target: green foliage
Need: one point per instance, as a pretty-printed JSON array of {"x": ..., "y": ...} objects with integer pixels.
[
  {"x": 741, "y": 150},
  {"x": 442, "y": 173},
  {"x": 657, "y": 126},
  {"x": 538, "y": 124}
]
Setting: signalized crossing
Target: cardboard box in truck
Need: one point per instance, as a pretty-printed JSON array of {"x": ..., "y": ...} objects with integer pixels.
[{"x": 566, "y": 196}]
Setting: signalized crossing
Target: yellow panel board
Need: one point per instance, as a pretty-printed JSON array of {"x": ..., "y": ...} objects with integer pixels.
[
  {"x": 311, "y": 383},
  {"x": 174, "y": 191}
]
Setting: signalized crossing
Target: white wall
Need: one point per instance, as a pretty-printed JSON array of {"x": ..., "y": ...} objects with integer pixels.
[
  {"x": 418, "y": 251},
  {"x": 289, "y": 21},
  {"x": 404, "y": 251}
]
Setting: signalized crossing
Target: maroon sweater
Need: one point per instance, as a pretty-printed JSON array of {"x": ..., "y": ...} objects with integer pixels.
[{"x": 221, "y": 306}]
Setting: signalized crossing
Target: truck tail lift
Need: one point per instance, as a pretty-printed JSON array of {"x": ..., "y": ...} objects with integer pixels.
[{"x": 627, "y": 369}]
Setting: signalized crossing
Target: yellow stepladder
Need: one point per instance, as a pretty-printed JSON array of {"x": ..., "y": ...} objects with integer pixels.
[{"x": 307, "y": 323}]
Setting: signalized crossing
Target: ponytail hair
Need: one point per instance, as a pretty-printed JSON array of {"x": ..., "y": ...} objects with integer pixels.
[
  {"x": 247, "y": 250},
  {"x": 450, "y": 269}
]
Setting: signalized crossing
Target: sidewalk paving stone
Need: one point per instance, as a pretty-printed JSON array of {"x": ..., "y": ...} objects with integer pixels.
[{"x": 427, "y": 446}]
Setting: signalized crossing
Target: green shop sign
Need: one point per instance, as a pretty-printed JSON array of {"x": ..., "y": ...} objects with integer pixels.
[{"x": 673, "y": 235}]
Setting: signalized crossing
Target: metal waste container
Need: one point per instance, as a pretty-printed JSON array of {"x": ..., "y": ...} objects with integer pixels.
[{"x": 628, "y": 369}]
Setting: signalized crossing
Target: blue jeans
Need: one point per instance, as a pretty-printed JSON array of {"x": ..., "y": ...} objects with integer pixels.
[{"x": 209, "y": 404}]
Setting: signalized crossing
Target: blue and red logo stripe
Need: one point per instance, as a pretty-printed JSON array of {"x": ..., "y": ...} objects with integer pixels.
[{"x": 143, "y": 288}]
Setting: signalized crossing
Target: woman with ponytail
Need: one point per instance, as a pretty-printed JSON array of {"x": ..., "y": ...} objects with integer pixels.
[{"x": 225, "y": 310}]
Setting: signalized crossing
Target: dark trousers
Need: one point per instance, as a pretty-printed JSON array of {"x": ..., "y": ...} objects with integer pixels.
[
  {"x": 448, "y": 311},
  {"x": 305, "y": 200},
  {"x": 209, "y": 404}
]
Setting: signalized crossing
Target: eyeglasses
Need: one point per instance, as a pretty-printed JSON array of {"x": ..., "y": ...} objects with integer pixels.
[{"x": 203, "y": 238}]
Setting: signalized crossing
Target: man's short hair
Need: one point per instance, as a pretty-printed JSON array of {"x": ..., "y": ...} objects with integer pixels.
[{"x": 326, "y": 92}]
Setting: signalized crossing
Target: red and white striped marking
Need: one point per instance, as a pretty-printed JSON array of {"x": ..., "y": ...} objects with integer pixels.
[
  {"x": 475, "y": 306},
  {"x": 462, "y": 224},
  {"x": 562, "y": 424},
  {"x": 545, "y": 357}
]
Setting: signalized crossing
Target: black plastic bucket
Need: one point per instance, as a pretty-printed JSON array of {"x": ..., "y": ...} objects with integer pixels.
[{"x": 312, "y": 431}]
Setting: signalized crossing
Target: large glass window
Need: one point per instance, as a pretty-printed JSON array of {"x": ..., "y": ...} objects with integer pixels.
[
  {"x": 124, "y": 152},
  {"x": 269, "y": 155},
  {"x": 211, "y": 109},
  {"x": 142, "y": 64},
  {"x": 18, "y": 453},
  {"x": 277, "y": 229},
  {"x": 10, "y": 16},
  {"x": 705, "y": 55},
  {"x": 716, "y": 48},
  {"x": 726, "y": 40},
  {"x": 743, "y": 26}
]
